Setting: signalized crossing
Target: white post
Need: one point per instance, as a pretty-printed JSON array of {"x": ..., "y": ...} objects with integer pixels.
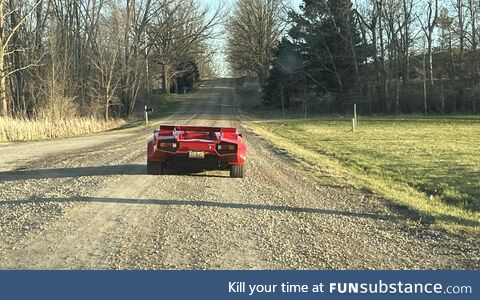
[
  {"x": 353, "y": 124},
  {"x": 355, "y": 114},
  {"x": 146, "y": 115}
]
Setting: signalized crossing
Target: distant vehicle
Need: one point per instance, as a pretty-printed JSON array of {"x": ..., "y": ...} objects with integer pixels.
[{"x": 196, "y": 148}]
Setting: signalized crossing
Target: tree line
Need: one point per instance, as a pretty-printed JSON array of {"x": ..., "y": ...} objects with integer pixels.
[
  {"x": 61, "y": 58},
  {"x": 386, "y": 56}
]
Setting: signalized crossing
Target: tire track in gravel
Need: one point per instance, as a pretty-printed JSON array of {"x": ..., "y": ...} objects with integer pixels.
[{"x": 276, "y": 218}]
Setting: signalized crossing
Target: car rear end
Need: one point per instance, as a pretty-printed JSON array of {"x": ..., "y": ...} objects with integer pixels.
[{"x": 197, "y": 148}]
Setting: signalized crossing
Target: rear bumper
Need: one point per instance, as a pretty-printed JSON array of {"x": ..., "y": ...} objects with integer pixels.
[
  {"x": 181, "y": 157},
  {"x": 215, "y": 157},
  {"x": 210, "y": 162}
]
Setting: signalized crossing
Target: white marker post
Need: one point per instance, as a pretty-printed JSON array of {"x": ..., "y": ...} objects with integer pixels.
[
  {"x": 355, "y": 114},
  {"x": 146, "y": 115}
]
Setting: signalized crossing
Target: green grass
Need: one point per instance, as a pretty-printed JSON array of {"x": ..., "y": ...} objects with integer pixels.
[{"x": 430, "y": 165}]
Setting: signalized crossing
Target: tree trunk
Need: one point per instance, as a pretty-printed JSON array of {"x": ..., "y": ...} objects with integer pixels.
[
  {"x": 442, "y": 94},
  {"x": 378, "y": 75},
  {"x": 165, "y": 79},
  {"x": 406, "y": 43},
  {"x": 175, "y": 85},
  {"x": 3, "y": 85},
  {"x": 430, "y": 60},
  {"x": 358, "y": 84},
  {"x": 473, "y": 12},
  {"x": 397, "y": 87},
  {"x": 3, "y": 93},
  {"x": 106, "y": 111},
  {"x": 383, "y": 78},
  {"x": 17, "y": 90},
  {"x": 432, "y": 20},
  {"x": 425, "y": 107},
  {"x": 450, "y": 52},
  {"x": 454, "y": 104},
  {"x": 304, "y": 97},
  {"x": 283, "y": 102},
  {"x": 461, "y": 38}
]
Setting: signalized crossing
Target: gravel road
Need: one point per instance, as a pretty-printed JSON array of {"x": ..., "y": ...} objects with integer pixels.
[{"x": 87, "y": 203}]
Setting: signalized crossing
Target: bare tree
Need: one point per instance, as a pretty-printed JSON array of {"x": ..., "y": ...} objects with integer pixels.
[
  {"x": 7, "y": 37},
  {"x": 369, "y": 19},
  {"x": 106, "y": 60},
  {"x": 93, "y": 49},
  {"x": 137, "y": 18},
  {"x": 254, "y": 29},
  {"x": 406, "y": 37},
  {"x": 445, "y": 22},
  {"x": 384, "y": 71},
  {"x": 473, "y": 20},
  {"x": 460, "y": 30},
  {"x": 178, "y": 32},
  {"x": 428, "y": 26}
]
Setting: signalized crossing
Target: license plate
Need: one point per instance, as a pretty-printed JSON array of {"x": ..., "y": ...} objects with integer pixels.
[{"x": 196, "y": 154}]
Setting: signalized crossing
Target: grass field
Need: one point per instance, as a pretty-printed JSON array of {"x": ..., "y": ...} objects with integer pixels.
[{"x": 430, "y": 165}]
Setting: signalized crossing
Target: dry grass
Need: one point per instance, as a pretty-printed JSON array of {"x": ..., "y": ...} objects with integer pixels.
[{"x": 23, "y": 130}]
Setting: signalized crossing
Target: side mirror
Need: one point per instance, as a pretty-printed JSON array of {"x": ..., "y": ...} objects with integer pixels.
[{"x": 155, "y": 131}]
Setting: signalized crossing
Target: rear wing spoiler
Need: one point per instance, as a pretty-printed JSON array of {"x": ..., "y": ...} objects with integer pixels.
[{"x": 198, "y": 128}]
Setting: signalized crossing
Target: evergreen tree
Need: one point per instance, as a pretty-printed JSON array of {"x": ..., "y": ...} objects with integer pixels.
[
  {"x": 325, "y": 38},
  {"x": 284, "y": 73}
]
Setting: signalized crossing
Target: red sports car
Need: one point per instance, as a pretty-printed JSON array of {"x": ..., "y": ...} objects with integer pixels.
[{"x": 196, "y": 148}]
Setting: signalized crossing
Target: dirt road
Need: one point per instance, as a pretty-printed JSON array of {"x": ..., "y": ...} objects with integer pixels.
[{"x": 87, "y": 203}]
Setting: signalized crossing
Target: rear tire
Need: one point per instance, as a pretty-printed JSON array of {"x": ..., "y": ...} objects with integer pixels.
[
  {"x": 155, "y": 167},
  {"x": 237, "y": 171}
]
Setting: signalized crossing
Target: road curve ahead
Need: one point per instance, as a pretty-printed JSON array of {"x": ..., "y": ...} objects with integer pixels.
[{"x": 87, "y": 203}]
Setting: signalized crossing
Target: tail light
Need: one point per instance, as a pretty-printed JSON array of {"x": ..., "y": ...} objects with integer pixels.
[
  {"x": 168, "y": 145},
  {"x": 226, "y": 148}
]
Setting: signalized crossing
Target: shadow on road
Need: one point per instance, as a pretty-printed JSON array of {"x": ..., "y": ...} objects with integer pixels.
[
  {"x": 203, "y": 203},
  {"x": 73, "y": 172},
  {"x": 134, "y": 169}
]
